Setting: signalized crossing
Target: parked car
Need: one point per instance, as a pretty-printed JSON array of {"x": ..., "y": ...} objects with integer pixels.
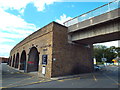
[{"x": 96, "y": 68}]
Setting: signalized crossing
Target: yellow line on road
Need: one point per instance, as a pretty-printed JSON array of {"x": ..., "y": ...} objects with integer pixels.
[
  {"x": 18, "y": 82},
  {"x": 116, "y": 83},
  {"x": 40, "y": 82},
  {"x": 62, "y": 80},
  {"x": 94, "y": 77},
  {"x": 2, "y": 87},
  {"x": 28, "y": 84}
]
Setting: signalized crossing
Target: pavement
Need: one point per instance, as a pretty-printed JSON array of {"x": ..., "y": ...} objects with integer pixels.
[
  {"x": 107, "y": 78},
  {"x": 13, "y": 78}
]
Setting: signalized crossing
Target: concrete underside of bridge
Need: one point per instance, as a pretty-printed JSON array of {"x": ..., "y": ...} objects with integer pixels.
[
  {"x": 105, "y": 32},
  {"x": 100, "y": 39}
]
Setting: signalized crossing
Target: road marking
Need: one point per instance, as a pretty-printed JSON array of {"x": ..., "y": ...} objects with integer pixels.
[
  {"x": 110, "y": 78},
  {"x": 116, "y": 83},
  {"x": 94, "y": 77},
  {"x": 40, "y": 82},
  {"x": 2, "y": 87},
  {"x": 28, "y": 84},
  {"x": 73, "y": 78},
  {"x": 61, "y": 80},
  {"x": 19, "y": 81}
]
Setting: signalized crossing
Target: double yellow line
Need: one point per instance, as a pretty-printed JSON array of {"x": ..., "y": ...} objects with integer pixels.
[
  {"x": 26, "y": 84},
  {"x": 10, "y": 85},
  {"x": 60, "y": 80}
]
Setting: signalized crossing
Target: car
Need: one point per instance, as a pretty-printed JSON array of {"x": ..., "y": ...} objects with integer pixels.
[{"x": 96, "y": 68}]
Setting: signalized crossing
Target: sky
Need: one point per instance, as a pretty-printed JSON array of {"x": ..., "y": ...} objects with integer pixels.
[{"x": 20, "y": 18}]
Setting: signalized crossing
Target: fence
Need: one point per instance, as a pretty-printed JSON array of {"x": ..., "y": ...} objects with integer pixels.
[{"x": 98, "y": 11}]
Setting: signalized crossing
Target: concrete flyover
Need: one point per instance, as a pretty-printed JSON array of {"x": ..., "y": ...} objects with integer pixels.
[
  {"x": 102, "y": 28},
  {"x": 96, "y": 26}
]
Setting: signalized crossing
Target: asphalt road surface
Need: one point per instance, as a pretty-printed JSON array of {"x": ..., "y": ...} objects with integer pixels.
[{"x": 108, "y": 78}]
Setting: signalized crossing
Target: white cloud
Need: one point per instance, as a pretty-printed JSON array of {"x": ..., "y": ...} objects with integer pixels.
[
  {"x": 40, "y": 4},
  {"x": 14, "y": 4},
  {"x": 20, "y": 5},
  {"x": 2, "y": 40},
  {"x": 14, "y": 24},
  {"x": 5, "y": 50},
  {"x": 11, "y": 35},
  {"x": 63, "y": 18},
  {"x": 11, "y": 28},
  {"x": 9, "y": 21}
]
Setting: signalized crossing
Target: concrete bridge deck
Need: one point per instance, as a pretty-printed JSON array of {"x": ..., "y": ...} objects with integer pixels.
[{"x": 102, "y": 28}]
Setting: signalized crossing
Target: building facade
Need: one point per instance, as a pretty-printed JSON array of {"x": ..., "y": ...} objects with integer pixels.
[
  {"x": 4, "y": 60},
  {"x": 48, "y": 52}
]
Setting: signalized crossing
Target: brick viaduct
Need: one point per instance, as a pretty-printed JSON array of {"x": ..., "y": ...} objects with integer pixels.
[{"x": 51, "y": 42}]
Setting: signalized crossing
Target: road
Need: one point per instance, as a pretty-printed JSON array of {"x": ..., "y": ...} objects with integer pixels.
[
  {"x": 101, "y": 79},
  {"x": 93, "y": 80}
]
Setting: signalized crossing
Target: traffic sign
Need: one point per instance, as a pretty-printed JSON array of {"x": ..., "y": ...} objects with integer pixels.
[{"x": 104, "y": 59}]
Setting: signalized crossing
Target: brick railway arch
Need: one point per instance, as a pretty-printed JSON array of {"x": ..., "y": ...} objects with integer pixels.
[
  {"x": 23, "y": 60},
  {"x": 33, "y": 60},
  {"x": 13, "y": 61},
  {"x": 17, "y": 60}
]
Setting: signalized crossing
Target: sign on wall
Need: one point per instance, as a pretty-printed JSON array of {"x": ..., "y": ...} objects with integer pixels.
[{"x": 44, "y": 59}]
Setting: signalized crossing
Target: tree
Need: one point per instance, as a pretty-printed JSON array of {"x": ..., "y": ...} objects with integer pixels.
[
  {"x": 110, "y": 54},
  {"x": 117, "y": 49},
  {"x": 101, "y": 51}
]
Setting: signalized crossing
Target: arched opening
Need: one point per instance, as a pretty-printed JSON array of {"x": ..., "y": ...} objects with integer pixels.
[
  {"x": 33, "y": 60},
  {"x": 23, "y": 61},
  {"x": 10, "y": 59},
  {"x": 13, "y": 61},
  {"x": 17, "y": 60}
]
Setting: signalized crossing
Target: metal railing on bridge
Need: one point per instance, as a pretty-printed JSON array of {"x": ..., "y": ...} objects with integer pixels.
[{"x": 96, "y": 12}]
